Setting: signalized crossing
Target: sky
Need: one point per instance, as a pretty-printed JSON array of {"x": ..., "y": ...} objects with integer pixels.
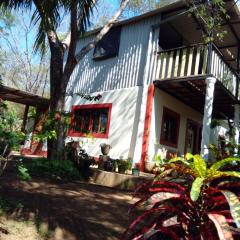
[{"x": 105, "y": 9}]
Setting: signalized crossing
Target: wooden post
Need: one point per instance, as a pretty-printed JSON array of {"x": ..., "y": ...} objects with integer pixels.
[
  {"x": 209, "y": 58},
  {"x": 238, "y": 71},
  {"x": 23, "y": 129}
]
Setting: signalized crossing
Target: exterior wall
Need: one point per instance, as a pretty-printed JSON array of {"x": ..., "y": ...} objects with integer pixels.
[
  {"x": 134, "y": 65},
  {"x": 124, "y": 122},
  {"x": 162, "y": 99}
]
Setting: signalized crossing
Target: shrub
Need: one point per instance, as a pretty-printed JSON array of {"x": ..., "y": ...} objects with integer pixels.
[
  {"x": 23, "y": 172},
  {"x": 10, "y": 133},
  {"x": 193, "y": 205},
  {"x": 7, "y": 205},
  {"x": 41, "y": 167},
  {"x": 124, "y": 164}
]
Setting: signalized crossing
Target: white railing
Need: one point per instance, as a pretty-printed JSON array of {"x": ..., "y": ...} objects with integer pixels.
[
  {"x": 192, "y": 61},
  {"x": 223, "y": 72}
]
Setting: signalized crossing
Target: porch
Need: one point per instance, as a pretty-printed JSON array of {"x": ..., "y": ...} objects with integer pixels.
[
  {"x": 200, "y": 77},
  {"x": 181, "y": 72}
]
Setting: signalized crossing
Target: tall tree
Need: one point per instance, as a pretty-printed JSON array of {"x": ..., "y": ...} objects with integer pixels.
[
  {"x": 21, "y": 66},
  {"x": 136, "y": 7},
  {"x": 47, "y": 16}
]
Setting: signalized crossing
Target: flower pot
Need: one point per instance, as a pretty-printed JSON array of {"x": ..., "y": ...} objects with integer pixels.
[
  {"x": 149, "y": 166},
  {"x": 135, "y": 172},
  {"x": 105, "y": 148}
]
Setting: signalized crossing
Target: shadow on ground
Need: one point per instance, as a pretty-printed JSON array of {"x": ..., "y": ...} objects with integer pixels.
[{"x": 70, "y": 211}]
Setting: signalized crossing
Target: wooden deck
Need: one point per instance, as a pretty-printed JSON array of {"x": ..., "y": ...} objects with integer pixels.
[{"x": 181, "y": 72}]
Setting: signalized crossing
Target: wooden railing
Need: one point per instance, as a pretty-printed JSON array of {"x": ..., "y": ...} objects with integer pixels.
[
  {"x": 192, "y": 61},
  {"x": 223, "y": 72}
]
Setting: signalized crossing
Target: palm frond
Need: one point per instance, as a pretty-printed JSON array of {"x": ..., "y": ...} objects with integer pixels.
[{"x": 16, "y": 4}]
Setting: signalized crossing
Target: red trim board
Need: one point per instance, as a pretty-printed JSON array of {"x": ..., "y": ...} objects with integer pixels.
[{"x": 147, "y": 125}]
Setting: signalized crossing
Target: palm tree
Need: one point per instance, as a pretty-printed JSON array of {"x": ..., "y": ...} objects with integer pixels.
[{"x": 47, "y": 16}]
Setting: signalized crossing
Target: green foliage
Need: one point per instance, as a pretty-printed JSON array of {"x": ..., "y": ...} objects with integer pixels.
[
  {"x": 142, "y": 6},
  {"x": 215, "y": 123},
  {"x": 32, "y": 113},
  {"x": 212, "y": 14},
  {"x": 196, "y": 188},
  {"x": 199, "y": 204},
  {"x": 7, "y": 205},
  {"x": 10, "y": 133},
  {"x": 23, "y": 173},
  {"x": 51, "y": 124},
  {"x": 124, "y": 164},
  {"x": 41, "y": 167},
  {"x": 48, "y": 15},
  {"x": 197, "y": 166}
]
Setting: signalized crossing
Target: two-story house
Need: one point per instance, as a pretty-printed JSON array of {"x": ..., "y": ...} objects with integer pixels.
[{"x": 160, "y": 85}]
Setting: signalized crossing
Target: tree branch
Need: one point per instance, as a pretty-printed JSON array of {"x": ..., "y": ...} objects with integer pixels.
[{"x": 103, "y": 31}]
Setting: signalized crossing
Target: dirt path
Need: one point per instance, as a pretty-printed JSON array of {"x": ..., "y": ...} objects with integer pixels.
[{"x": 70, "y": 211}]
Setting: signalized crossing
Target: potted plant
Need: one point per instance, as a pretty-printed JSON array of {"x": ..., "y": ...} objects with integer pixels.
[
  {"x": 136, "y": 169},
  {"x": 149, "y": 165},
  {"x": 124, "y": 165},
  {"x": 105, "y": 148}
]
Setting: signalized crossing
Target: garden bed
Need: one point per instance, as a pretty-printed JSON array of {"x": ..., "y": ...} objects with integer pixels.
[{"x": 118, "y": 180}]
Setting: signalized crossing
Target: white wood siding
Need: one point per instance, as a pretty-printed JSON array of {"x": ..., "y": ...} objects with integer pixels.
[{"x": 126, "y": 70}]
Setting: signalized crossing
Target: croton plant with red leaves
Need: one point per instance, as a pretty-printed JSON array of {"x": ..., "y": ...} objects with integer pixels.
[{"x": 199, "y": 202}]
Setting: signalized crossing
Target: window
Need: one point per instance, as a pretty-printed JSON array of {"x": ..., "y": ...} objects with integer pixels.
[
  {"x": 170, "y": 128},
  {"x": 91, "y": 119},
  {"x": 108, "y": 46}
]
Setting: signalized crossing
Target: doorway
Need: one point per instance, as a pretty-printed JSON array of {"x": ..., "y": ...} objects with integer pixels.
[{"x": 193, "y": 137}]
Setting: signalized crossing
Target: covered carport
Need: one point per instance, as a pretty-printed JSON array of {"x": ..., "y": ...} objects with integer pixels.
[
  {"x": 28, "y": 99},
  {"x": 41, "y": 105}
]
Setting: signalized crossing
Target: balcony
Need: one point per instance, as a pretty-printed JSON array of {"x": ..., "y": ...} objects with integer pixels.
[{"x": 182, "y": 72}]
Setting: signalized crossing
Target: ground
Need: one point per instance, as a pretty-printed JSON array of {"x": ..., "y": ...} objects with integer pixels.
[{"x": 60, "y": 210}]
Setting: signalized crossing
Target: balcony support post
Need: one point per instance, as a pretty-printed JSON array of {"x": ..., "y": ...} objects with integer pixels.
[
  {"x": 236, "y": 125},
  {"x": 238, "y": 61},
  {"x": 208, "y": 108}
]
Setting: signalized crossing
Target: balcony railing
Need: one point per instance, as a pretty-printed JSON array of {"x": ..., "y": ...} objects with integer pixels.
[{"x": 192, "y": 61}]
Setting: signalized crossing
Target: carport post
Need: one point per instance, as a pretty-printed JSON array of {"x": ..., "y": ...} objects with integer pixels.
[{"x": 23, "y": 129}]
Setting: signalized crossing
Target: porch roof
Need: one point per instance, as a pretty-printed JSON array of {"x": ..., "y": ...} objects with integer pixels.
[
  {"x": 192, "y": 30},
  {"x": 18, "y": 96},
  {"x": 191, "y": 91}
]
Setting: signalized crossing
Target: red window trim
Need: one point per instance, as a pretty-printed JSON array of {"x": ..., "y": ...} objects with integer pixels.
[
  {"x": 177, "y": 116},
  {"x": 71, "y": 133}
]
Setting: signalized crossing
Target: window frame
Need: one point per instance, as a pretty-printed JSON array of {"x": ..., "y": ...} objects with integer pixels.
[
  {"x": 169, "y": 112},
  {"x": 90, "y": 107}
]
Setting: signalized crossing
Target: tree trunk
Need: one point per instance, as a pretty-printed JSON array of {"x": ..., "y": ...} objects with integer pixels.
[
  {"x": 57, "y": 99},
  {"x": 59, "y": 76}
]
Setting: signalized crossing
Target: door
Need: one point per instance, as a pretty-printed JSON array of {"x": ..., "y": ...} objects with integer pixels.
[{"x": 193, "y": 137}]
